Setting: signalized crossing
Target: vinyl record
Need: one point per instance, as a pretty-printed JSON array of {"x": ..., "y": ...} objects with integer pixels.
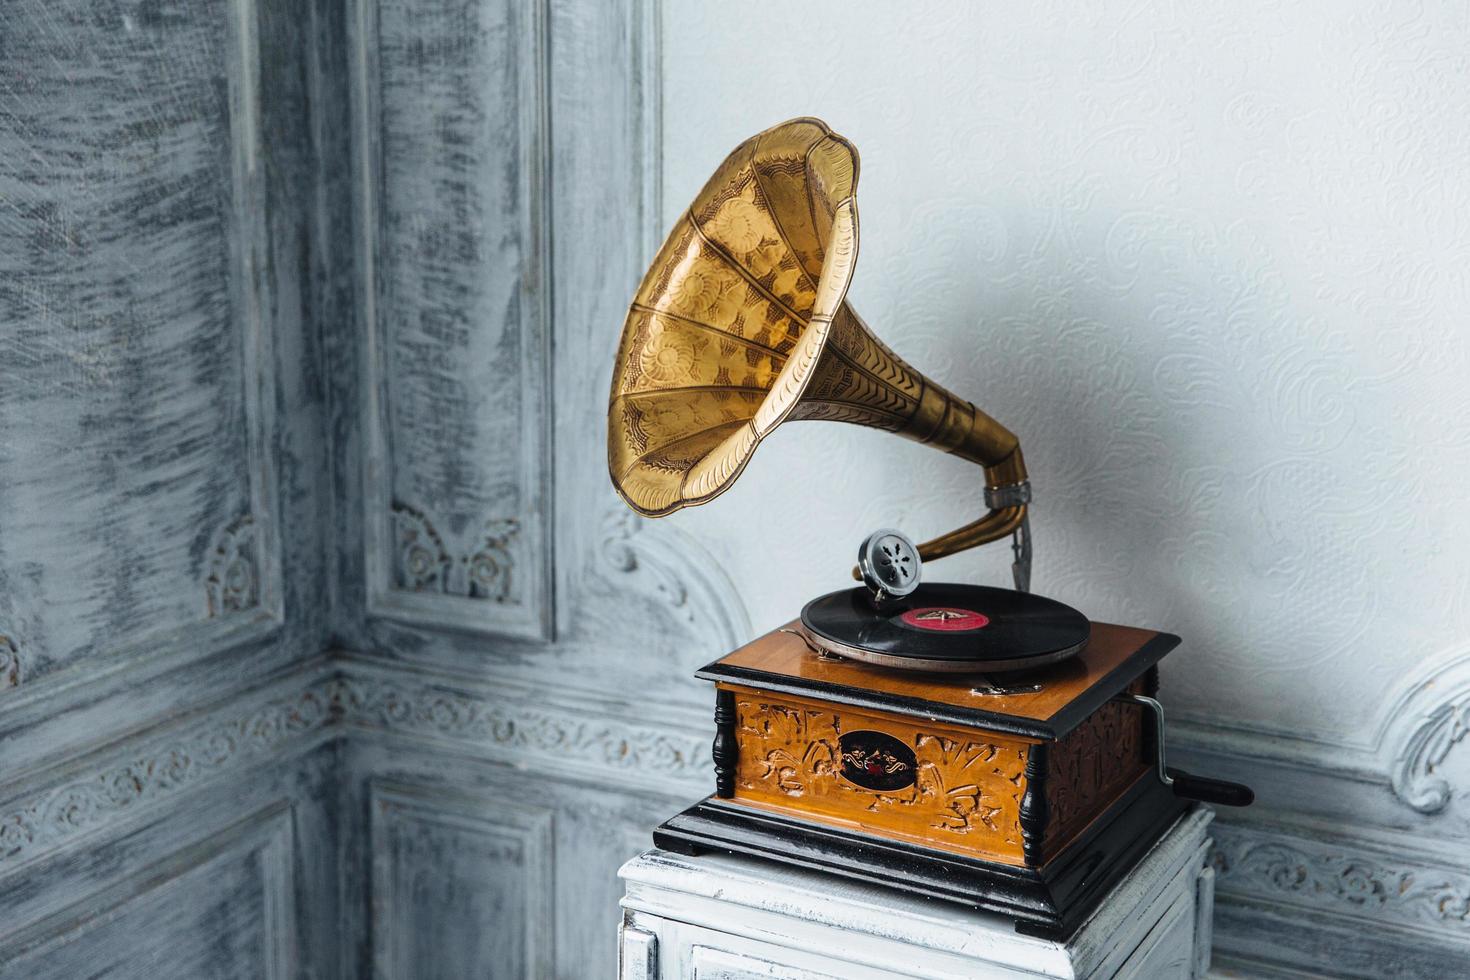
[{"x": 948, "y": 628}]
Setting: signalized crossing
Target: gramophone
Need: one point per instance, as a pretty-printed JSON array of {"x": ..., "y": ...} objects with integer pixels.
[{"x": 963, "y": 742}]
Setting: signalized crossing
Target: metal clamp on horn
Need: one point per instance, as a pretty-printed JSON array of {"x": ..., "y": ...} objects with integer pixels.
[{"x": 1217, "y": 791}]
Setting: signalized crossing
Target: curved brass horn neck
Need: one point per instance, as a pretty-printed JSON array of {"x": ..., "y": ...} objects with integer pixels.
[
  {"x": 997, "y": 523},
  {"x": 861, "y": 381}
]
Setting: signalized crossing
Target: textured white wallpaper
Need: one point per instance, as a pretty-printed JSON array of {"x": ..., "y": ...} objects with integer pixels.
[{"x": 1209, "y": 263}]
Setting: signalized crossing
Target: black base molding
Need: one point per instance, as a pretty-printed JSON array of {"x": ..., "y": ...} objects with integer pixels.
[{"x": 1049, "y": 902}]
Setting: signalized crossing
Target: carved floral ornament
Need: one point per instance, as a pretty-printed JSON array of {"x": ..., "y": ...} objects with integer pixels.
[
  {"x": 1343, "y": 876},
  {"x": 961, "y": 788},
  {"x": 232, "y": 584},
  {"x": 1425, "y": 725},
  {"x": 1351, "y": 877},
  {"x": 146, "y": 774},
  {"x": 676, "y": 570},
  {"x": 673, "y": 761},
  {"x": 481, "y": 568},
  {"x": 10, "y": 668}
]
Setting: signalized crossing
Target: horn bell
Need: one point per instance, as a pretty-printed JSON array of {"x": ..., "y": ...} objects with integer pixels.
[{"x": 741, "y": 323}]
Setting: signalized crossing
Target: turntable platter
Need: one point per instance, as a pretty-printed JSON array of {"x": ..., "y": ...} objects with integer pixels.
[{"x": 948, "y": 628}]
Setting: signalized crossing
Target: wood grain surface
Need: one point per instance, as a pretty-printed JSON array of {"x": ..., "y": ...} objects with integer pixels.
[
  {"x": 965, "y": 796},
  {"x": 780, "y": 654}
]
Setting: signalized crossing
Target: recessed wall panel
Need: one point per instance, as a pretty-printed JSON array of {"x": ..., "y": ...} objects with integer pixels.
[
  {"x": 461, "y": 885},
  {"x": 453, "y": 168},
  {"x": 134, "y": 495}
]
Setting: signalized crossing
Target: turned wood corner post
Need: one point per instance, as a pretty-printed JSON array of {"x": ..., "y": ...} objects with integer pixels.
[
  {"x": 1150, "y": 742},
  {"x": 1151, "y": 681},
  {"x": 1033, "y": 805},
  {"x": 725, "y": 750}
]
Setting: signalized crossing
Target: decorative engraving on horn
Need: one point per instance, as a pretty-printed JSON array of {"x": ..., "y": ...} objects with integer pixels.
[
  {"x": 741, "y": 322},
  {"x": 729, "y": 322}
]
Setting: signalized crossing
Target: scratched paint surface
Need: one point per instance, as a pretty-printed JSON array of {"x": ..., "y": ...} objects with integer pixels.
[
  {"x": 446, "y": 869},
  {"x": 452, "y": 255},
  {"x": 122, "y": 410},
  {"x": 165, "y": 796},
  {"x": 209, "y": 921}
]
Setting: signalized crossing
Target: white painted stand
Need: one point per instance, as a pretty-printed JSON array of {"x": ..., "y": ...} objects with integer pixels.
[{"x": 724, "y": 918}]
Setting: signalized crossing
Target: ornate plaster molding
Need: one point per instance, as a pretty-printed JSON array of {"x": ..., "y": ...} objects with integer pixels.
[
  {"x": 233, "y": 582},
  {"x": 11, "y": 671},
  {"x": 157, "y": 770},
  {"x": 1372, "y": 882},
  {"x": 1378, "y": 877},
  {"x": 144, "y": 772},
  {"x": 673, "y": 568},
  {"x": 569, "y": 738},
  {"x": 1427, "y": 721},
  {"x": 483, "y": 568}
]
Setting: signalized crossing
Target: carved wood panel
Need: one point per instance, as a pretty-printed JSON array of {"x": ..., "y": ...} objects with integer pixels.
[
  {"x": 963, "y": 794},
  {"x": 452, "y": 163},
  {"x": 136, "y": 382},
  {"x": 1094, "y": 764}
]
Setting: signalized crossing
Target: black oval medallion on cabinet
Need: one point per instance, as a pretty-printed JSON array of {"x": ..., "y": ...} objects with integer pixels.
[{"x": 877, "y": 761}]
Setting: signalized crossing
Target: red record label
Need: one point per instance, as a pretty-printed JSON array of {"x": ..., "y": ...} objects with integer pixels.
[{"x": 944, "y": 619}]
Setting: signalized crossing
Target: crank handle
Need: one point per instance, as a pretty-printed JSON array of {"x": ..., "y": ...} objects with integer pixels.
[
  {"x": 1206, "y": 790},
  {"x": 1217, "y": 791}
]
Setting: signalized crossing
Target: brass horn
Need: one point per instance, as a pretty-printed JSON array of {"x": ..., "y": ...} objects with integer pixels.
[{"x": 741, "y": 323}]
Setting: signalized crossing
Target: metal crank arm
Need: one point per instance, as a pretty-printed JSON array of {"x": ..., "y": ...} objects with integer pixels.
[{"x": 1217, "y": 791}]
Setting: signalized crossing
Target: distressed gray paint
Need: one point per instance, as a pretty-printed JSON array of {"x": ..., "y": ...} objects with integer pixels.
[
  {"x": 607, "y": 570},
  {"x": 461, "y": 884},
  {"x": 609, "y": 723},
  {"x": 223, "y": 907},
  {"x": 510, "y": 860},
  {"x": 451, "y": 124},
  {"x": 233, "y": 877},
  {"x": 131, "y": 407},
  {"x": 165, "y": 800}
]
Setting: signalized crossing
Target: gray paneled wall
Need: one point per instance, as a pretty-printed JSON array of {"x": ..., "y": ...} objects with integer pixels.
[
  {"x": 520, "y": 708},
  {"x": 275, "y": 381},
  {"x": 1347, "y": 866},
  {"x": 168, "y": 769},
  {"x": 446, "y": 865},
  {"x": 139, "y": 396}
]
